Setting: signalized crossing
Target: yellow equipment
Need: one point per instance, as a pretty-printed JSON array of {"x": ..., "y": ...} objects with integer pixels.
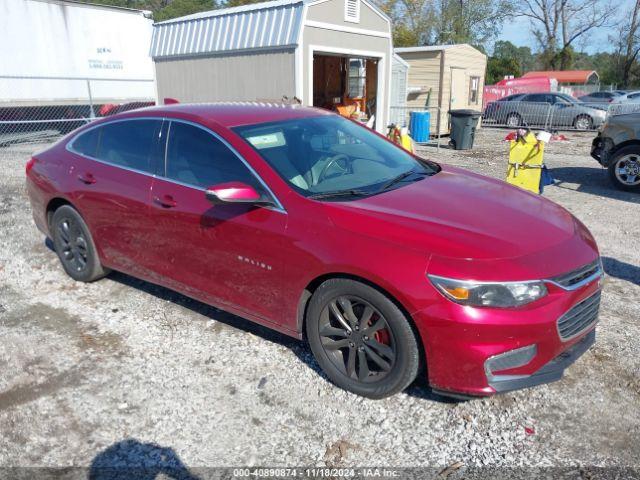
[
  {"x": 401, "y": 137},
  {"x": 405, "y": 140},
  {"x": 525, "y": 162}
]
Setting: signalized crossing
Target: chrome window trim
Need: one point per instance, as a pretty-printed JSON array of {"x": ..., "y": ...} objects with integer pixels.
[
  {"x": 278, "y": 207},
  {"x": 165, "y": 149},
  {"x": 69, "y": 148}
]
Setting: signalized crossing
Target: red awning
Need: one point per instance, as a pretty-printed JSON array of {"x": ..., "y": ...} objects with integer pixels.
[{"x": 566, "y": 76}]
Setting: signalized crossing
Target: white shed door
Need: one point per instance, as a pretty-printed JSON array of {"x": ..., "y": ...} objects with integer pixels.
[{"x": 458, "y": 88}]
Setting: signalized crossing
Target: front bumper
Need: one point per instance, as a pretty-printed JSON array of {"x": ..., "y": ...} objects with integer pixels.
[
  {"x": 459, "y": 340},
  {"x": 601, "y": 150},
  {"x": 550, "y": 372}
]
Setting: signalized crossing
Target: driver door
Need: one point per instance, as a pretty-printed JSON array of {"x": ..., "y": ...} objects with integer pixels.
[{"x": 230, "y": 255}]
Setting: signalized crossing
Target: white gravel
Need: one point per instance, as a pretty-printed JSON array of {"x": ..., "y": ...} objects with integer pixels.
[{"x": 84, "y": 367}]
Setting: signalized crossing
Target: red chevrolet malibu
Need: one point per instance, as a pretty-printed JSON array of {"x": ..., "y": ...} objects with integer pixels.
[{"x": 308, "y": 223}]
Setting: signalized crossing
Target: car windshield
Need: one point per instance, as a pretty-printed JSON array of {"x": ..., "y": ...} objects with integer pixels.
[{"x": 332, "y": 157}]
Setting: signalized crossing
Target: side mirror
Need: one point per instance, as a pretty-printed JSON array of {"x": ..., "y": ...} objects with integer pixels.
[{"x": 233, "y": 192}]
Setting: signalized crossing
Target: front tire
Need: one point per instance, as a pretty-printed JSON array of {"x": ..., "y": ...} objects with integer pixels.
[
  {"x": 624, "y": 169},
  {"x": 361, "y": 339},
  {"x": 74, "y": 245}
]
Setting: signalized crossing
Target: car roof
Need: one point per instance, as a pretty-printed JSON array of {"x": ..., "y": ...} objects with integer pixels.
[
  {"x": 228, "y": 114},
  {"x": 513, "y": 95}
]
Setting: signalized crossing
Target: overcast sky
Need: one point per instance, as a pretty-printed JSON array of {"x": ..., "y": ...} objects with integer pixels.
[{"x": 518, "y": 31}]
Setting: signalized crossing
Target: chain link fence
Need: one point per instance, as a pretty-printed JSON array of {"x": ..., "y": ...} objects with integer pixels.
[
  {"x": 41, "y": 109},
  {"x": 558, "y": 116},
  {"x": 422, "y": 131}
]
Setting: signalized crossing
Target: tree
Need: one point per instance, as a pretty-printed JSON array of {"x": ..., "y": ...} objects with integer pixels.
[
  {"x": 179, "y": 8},
  {"x": 630, "y": 44},
  {"x": 499, "y": 68},
  {"x": 471, "y": 21},
  {"x": 507, "y": 59},
  {"x": 559, "y": 24},
  {"x": 237, "y": 3},
  {"x": 412, "y": 21},
  {"x": 427, "y": 22}
]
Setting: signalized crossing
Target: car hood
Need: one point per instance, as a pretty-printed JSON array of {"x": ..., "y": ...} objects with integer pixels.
[{"x": 458, "y": 215}]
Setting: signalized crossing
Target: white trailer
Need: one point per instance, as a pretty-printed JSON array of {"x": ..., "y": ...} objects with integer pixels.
[{"x": 62, "y": 52}]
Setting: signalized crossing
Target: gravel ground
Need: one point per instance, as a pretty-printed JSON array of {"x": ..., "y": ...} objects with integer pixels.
[{"x": 121, "y": 370}]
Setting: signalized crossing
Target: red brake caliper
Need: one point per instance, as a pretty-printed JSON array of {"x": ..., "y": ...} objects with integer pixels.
[{"x": 382, "y": 335}]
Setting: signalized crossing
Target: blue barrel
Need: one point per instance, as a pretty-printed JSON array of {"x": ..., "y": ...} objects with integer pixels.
[{"x": 419, "y": 126}]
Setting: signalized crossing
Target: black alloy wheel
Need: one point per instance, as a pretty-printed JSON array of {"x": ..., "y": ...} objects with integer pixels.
[
  {"x": 361, "y": 338},
  {"x": 74, "y": 245},
  {"x": 357, "y": 339}
]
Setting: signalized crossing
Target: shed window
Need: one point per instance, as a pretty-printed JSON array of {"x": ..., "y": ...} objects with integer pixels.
[
  {"x": 357, "y": 77},
  {"x": 352, "y": 11},
  {"x": 474, "y": 88}
]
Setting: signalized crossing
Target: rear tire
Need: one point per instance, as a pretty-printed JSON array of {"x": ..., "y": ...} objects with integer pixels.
[
  {"x": 368, "y": 347},
  {"x": 624, "y": 169},
  {"x": 74, "y": 245},
  {"x": 583, "y": 122},
  {"x": 514, "y": 120}
]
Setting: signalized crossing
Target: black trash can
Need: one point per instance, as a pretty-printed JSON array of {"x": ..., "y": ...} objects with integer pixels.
[{"x": 463, "y": 128}]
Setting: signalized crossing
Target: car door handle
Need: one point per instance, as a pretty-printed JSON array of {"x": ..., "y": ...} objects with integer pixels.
[
  {"x": 87, "y": 178},
  {"x": 165, "y": 201}
]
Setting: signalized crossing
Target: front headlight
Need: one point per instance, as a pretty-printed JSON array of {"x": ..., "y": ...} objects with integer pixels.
[{"x": 480, "y": 294}]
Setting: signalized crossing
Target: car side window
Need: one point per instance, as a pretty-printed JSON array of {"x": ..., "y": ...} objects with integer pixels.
[
  {"x": 129, "y": 143},
  {"x": 196, "y": 157},
  {"x": 87, "y": 143},
  {"x": 536, "y": 97}
]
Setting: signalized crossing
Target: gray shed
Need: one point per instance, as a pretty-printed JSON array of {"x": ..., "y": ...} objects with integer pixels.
[{"x": 334, "y": 54}]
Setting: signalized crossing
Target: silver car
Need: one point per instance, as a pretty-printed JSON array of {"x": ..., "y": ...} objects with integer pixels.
[
  {"x": 551, "y": 110},
  {"x": 601, "y": 97},
  {"x": 629, "y": 97}
]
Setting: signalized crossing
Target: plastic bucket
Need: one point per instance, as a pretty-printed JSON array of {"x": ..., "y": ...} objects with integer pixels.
[{"x": 419, "y": 125}]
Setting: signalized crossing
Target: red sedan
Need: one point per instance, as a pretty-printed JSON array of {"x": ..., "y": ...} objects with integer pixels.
[{"x": 308, "y": 223}]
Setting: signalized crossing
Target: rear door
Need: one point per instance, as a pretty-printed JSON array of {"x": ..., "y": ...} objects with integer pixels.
[
  {"x": 535, "y": 109},
  {"x": 230, "y": 255},
  {"x": 113, "y": 169}
]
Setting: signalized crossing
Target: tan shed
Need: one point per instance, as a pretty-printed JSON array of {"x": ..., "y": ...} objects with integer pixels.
[
  {"x": 334, "y": 54},
  {"x": 444, "y": 76}
]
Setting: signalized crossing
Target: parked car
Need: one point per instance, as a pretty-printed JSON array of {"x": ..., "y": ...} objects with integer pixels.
[
  {"x": 315, "y": 226},
  {"x": 629, "y": 97},
  {"x": 112, "y": 108},
  {"x": 617, "y": 148},
  {"x": 556, "y": 110},
  {"x": 492, "y": 108},
  {"x": 600, "y": 97}
]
